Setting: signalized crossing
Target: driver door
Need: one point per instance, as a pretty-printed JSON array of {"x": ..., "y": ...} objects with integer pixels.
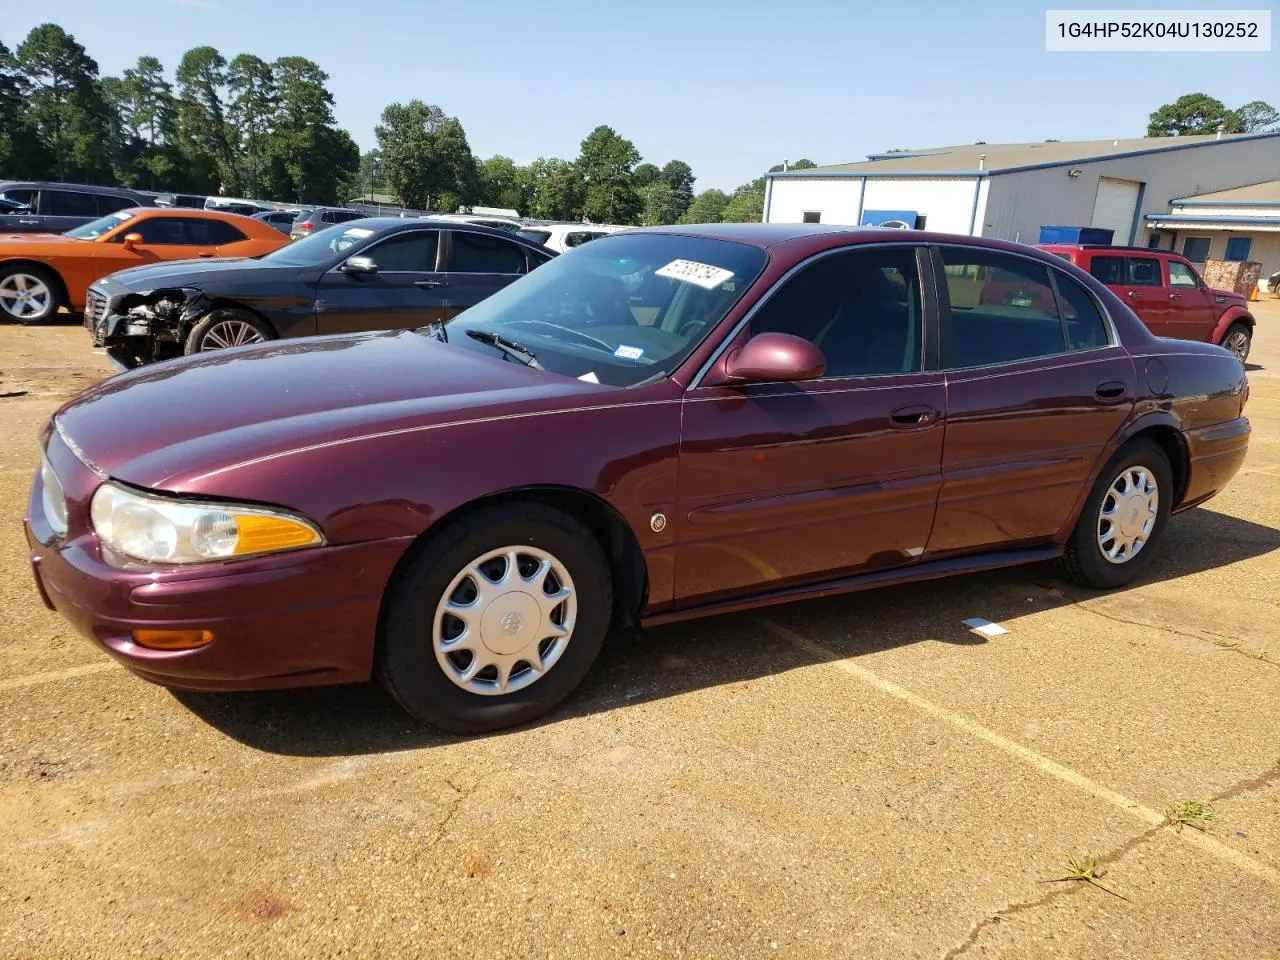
[
  {"x": 407, "y": 292},
  {"x": 787, "y": 483},
  {"x": 164, "y": 238}
]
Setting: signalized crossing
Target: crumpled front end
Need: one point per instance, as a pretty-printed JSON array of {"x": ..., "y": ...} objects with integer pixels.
[{"x": 140, "y": 327}]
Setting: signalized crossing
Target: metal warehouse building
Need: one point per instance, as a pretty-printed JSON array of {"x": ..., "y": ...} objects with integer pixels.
[{"x": 1142, "y": 189}]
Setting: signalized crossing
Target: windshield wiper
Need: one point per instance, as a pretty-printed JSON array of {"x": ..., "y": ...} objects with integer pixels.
[{"x": 507, "y": 346}]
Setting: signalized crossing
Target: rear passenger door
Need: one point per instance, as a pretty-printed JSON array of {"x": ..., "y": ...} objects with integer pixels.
[
  {"x": 1036, "y": 386},
  {"x": 61, "y": 210},
  {"x": 478, "y": 265}
]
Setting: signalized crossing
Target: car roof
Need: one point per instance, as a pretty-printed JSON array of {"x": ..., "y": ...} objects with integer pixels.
[
  {"x": 830, "y": 235},
  {"x": 187, "y": 213},
  {"x": 1110, "y": 248},
  {"x": 57, "y": 185}
]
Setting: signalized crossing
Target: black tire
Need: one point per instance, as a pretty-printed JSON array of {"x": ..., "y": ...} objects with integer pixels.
[
  {"x": 205, "y": 335},
  {"x": 407, "y": 663},
  {"x": 1239, "y": 339},
  {"x": 51, "y": 282},
  {"x": 1084, "y": 561}
]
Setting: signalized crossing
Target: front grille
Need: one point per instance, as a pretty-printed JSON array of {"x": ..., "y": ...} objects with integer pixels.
[{"x": 95, "y": 315}]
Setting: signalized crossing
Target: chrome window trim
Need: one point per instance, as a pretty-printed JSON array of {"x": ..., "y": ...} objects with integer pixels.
[{"x": 777, "y": 284}]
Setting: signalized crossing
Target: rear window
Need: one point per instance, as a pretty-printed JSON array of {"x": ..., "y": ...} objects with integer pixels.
[
  {"x": 1108, "y": 269},
  {"x": 535, "y": 236}
]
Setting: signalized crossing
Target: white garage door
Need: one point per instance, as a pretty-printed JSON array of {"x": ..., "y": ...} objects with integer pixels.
[{"x": 1114, "y": 208}]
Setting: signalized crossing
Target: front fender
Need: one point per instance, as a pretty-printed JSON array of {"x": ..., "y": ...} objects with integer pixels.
[{"x": 1230, "y": 316}]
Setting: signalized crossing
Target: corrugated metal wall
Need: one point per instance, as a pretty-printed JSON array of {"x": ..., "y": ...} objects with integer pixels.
[{"x": 1020, "y": 203}]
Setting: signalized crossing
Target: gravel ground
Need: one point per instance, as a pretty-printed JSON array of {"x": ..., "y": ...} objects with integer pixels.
[{"x": 854, "y": 777}]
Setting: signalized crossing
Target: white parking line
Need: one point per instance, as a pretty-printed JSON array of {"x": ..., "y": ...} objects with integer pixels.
[
  {"x": 53, "y": 676},
  {"x": 1042, "y": 763}
]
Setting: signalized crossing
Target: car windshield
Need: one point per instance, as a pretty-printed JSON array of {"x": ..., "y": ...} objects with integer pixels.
[
  {"x": 319, "y": 248},
  {"x": 100, "y": 227},
  {"x": 620, "y": 311}
]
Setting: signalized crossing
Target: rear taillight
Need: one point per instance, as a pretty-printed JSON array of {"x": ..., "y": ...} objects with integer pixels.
[{"x": 305, "y": 227}]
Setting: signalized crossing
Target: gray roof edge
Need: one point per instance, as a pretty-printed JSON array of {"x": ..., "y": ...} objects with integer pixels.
[{"x": 1025, "y": 167}]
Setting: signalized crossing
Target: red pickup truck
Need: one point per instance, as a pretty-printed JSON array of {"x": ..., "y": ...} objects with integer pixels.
[{"x": 1167, "y": 293}]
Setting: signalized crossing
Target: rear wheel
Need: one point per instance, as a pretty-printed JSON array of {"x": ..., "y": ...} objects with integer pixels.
[
  {"x": 1123, "y": 521},
  {"x": 29, "y": 294},
  {"x": 497, "y": 620},
  {"x": 1238, "y": 339},
  {"x": 226, "y": 327}
]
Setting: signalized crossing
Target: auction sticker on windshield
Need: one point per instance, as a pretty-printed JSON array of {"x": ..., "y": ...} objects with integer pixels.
[{"x": 702, "y": 274}]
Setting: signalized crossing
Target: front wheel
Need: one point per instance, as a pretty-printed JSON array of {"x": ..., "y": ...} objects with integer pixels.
[
  {"x": 1123, "y": 520},
  {"x": 226, "y": 327},
  {"x": 497, "y": 620},
  {"x": 1238, "y": 339},
  {"x": 28, "y": 294}
]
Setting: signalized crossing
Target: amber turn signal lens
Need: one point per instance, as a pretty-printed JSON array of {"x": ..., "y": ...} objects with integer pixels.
[
  {"x": 263, "y": 534},
  {"x": 172, "y": 639}
]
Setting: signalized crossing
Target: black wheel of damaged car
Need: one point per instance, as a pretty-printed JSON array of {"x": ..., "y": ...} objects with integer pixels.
[{"x": 226, "y": 327}]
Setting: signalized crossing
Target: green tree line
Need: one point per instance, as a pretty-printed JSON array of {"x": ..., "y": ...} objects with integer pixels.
[{"x": 247, "y": 127}]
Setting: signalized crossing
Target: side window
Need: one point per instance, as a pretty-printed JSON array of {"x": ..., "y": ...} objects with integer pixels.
[
  {"x": 1002, "y": 308},
  {"x": 413, "y": 252},
  {"x": 222, "y": 233},
  {"x": 108, "y": 204},
  {"x": 1144, "y": 272},
  {"x": 346, "y": 216},
  {"x": 1108, "y": 269},
  {"x": 24, "y": 197},
  {"x": 578, "y": 238},
  {"x": 477, "y": 253},
  {"x": 68, "y": 203},
  {"x": 163, "y": 231},
  {"x": 862, "y": 309},
  {"x": 1180, "y": 275},
  {"x": 1081, "y": 316}
]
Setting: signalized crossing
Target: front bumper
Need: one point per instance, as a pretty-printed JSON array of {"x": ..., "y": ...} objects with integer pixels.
[{"x": 306, "y": 618}]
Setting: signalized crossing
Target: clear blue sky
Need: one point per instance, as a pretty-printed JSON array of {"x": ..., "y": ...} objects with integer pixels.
[{"x": 729, "y": 87}]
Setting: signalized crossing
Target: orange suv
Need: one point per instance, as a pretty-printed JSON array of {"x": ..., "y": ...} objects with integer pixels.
[{"x": 1166, "y": 293}]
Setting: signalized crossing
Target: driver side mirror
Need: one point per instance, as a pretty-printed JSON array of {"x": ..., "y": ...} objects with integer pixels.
[
  {"x": 131, "y": 240},
  {"x": 775, "y": 358},
  {"x": 360, "y": 265}
]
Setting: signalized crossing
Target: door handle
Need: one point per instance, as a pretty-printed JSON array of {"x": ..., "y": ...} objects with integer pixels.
[
  {"x": 428, "y": 284},
  {"x": 28, "y": 223},
  {"x": 1135, "y": 295},
  {"x": 913, "y": 415},
  {"x": 1175, "y": 296},
  {"x": 1111, "y": 391}
]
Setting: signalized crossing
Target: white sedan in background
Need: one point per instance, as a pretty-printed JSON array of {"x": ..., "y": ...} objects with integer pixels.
[{"x": 565, "y": 236}]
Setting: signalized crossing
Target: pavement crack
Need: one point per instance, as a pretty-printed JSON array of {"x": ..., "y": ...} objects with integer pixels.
[
  {"x": 1264, "y": 779},
  {"x": 1010, "y": 911},
  {"x": 1236, "y": 646},
  {"x": 463, "y": 794}
]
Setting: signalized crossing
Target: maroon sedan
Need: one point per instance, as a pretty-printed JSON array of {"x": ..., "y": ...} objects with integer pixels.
[{"x": 661, "y": 424}]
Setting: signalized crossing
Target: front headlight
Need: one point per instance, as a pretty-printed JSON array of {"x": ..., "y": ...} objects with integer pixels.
[
  {"x": 53, "y": 499},
  {"x": 158, "y": 529}
]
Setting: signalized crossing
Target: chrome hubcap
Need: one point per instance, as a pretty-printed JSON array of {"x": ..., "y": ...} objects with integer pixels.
[
  {"x": 1128, "y": 514},
  {"x": 504, "y": 620},
  {"x": 24, "y": 296},
  {"x": 1238, "y": 343},
  {"x": 229, "y": 333}
]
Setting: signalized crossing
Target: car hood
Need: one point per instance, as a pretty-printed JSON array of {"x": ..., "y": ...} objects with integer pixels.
[
  {"x": 12, "y": 244},
  {"x": 193, "y": 273},
  {"x": 174, "y": 425}
]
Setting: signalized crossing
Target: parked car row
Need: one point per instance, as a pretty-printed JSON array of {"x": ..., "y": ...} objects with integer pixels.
[
  {"x": 658, "y": 425},
  {"x": 39, "y": 273},
  {"x": 373, "y": 274}
]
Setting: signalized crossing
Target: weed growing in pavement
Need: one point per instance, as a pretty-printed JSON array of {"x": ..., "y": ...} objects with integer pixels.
[
  {"x": 1085, "y": 870},
  {"x": 1189, "y": 813}
]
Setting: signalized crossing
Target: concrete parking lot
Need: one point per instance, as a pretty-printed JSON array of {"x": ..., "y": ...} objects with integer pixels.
[{"x": 854, "y": 777}]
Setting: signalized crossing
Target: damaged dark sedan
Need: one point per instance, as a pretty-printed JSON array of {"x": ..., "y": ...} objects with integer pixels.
[{"x": 375, "y": 274}]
